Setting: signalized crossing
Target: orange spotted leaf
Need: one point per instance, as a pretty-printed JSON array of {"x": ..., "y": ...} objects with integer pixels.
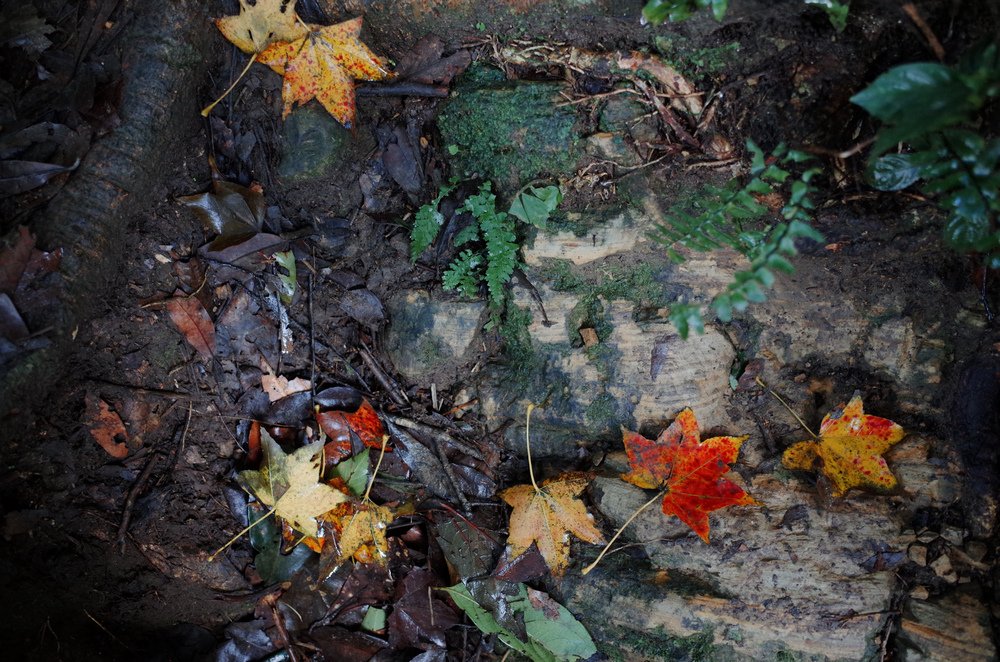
[
  {"x": 547, "y": 516},
  {"x": 261, "y": 24},
  {"x": 689, "y": 471},
  {"x": 323, "y": 65},
  {"x": 849, "y": 450},
  {"x": 340, "y": 425}
]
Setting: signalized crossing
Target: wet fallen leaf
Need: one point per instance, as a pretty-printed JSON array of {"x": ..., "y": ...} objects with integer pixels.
[
  {"x": 849, "y": 449},
  {"x": 323, "y": 65},
  {"x": 14, "y": 258},
  {"x": 288, "y": 280},
  {"x": 470, "y": 550},
  {"x": 418, "y": 618},
  {"x": 105, "y": 426},
  {"x": 277, "y": 387},
  {"x": 689, "y": 471},
  {"x": 261, "y": 24},
  {"x": 426, "y": 63},
  {"x": 547, "y": 516},
  {"x": 290, "y": 485},
  {"x": 232, "y": 212},
  {"x": 12, "y": 326},
  {"x": 362, "y": 535},
  {"x": 272, "y": 564},
  {"x": 194, "y": 323},
  {"x": 20, "y": 176},
  {"x": 339, "y": 426}
]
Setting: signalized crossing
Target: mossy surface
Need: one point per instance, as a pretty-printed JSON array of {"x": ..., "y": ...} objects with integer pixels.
[
  {"x": 313, "y": 142},
  {"x": 508, "y": 133}
]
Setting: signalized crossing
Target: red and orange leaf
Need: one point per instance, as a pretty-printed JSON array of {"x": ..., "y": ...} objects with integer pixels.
[
  {"x": 261, "y": 24},
  {"x": 105, "y": 426},
  {"x": 323, "y": 65},
  {"x": 192, "y": 320},
  {"x": 339, "y": 425},
  {"x": 547, "y": 516},
  {"x": 849, "y": 450},
  {"x": 691, "y": 472}
]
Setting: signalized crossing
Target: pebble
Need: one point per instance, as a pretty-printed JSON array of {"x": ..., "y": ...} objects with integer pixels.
[
  {"x": 917, "y": 554},
  {"x": 953, "y": 535},
  {"x": 976, "y": 550},
  {"x": 920, "y": 593},
  {"x": 942, "y": 568}
]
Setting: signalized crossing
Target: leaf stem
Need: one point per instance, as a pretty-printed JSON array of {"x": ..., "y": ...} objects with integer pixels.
[
  {"x": 790, "y": 410},
  {"x": 371, "y": 481},
  {"x": 527, "y": 443},
  {"x": 607, "y": 547},
  {"x": 208, "y": 109},
  {"x": 238, "y": 535}
]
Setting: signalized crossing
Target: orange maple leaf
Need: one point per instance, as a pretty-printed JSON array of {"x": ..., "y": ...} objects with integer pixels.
[
  {"x": 849, "y": 450},
  {"x": 547, "y": 515},
  {"x": 689, "y": 471},
  {"x": 339, "y": 426},
  {"x": 323, "y": 65}
]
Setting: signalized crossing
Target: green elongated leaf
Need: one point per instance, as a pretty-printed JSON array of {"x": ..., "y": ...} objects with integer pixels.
[
  {"x": 913, "y": 100},
  {"x": 894, "y": 172},
  {"x": 286, "y": 260},
  {"x": 354, "y": 472},
  {"x": 552, "y": 626},
  {"x": 536, "y": 204},
  {"x": 265, "y": 537}
]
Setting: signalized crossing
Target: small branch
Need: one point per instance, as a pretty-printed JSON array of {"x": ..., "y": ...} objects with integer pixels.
[
  {"x": 382, "y": 377},
  {"x": 527, "y": 443},
  {"x": 911, "y": 10},
  {"x": 403, "y": 90}
]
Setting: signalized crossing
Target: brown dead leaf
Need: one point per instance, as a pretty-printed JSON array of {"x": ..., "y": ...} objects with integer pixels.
[
  {"x": 105, "y": 426},
  {"x": 13, "y": 260},
  {"x": 278, "y": 387},
  {"x": 194, "y": 323}
]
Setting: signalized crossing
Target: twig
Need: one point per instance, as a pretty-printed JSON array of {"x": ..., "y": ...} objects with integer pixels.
[
  {"x": 449, "y": 471},
  {"x": 279, "y": 623},
  {"x": 438, "y": 435},
  {"x": 312, "y": 342},
  {"x": 403, "y": 90},
  {"x": 911, "y": 10},
  {"x": 137, "y": 487},
  {"x": 107, "y": 631},
  {"x": 382, "y": 378},
  {"x": 668, "y": 116},
  {"x": 179, "y": 448}
]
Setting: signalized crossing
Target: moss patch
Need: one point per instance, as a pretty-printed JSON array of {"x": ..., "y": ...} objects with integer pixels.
[{"x": 507, "y": 132}]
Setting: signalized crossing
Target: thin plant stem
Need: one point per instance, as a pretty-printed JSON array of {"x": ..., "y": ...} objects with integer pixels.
[
  {"x": 790, "y": 410},
  {"x": 607, "y": 547},
  {"x": 238, "y": 535},
  {"x": 385, "y": 439},
  {"x": 208, "y": 109},
  {"x": 527, "y": 443}
]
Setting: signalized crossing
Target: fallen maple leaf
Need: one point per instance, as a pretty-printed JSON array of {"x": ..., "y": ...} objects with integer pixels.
[
  {"x": 547, "y": 515},
  {"x": 277, "y": 386},
  {"x": 323, "y": 65},
  {"x": 340, "y": 425},
  {"x": 362, "y": 535},
  {"x": 105, "y": 425},
  {"x": 290, "y": 484},
  {"x": 261, "y": 24},
  {"x": 194, "y": 323},
  {"x": 689, "y": 471},
  {"x": 849, "y": 450}
]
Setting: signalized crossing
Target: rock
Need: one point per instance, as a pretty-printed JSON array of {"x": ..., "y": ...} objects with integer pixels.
[
  {"x": 618, "y": 234},
  {"x": 612, "y": 147},
  {"x": 976, "y": 550},
  {"x": 918, "y": 554},
  {"x": 920, "y": 593},
  {"x": 431, "y": 336},
  {"x": 363, "y": 306},
  {"x": 942, "y": 568},
  {"x": 312, "y": 142},
  {"x": 955, "y": 627}
]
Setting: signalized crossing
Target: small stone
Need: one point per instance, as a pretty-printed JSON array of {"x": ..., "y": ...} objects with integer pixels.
[
  {"x": 942, "y": 568},
  {"x": 920, "y": 593},
  {"x": 800, "y": 378},
  {"x": 927, "y": 536},
  {"x": 917, "y": 554},
  {"x": 976, "y": 550},
  {"x": 589, "y": 337},
  {"x": 954, "y": 535}
]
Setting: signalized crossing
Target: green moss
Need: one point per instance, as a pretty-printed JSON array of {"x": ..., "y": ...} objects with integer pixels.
[
  {"x": 637, "y": 283},
  {"x": 696, "y": 62},
  {"x": 518, "y": 349},
  {"x": 588, "y": 313},
  {"x": 657, "y": 644},
  {"x": 507, "y": 133},
  {"x": 602, "y": 413}
]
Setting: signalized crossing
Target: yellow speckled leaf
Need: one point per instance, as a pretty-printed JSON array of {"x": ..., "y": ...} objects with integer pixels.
[
  {"x": 548, "y": 516},
  {"x": 363, "y": 535},
  {"x": 323, "y": 65},
  {"x": 258, "y": 26},
  {"x": 849, "y": 450}
]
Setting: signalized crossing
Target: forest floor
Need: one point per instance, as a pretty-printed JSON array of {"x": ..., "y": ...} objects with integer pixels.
[{"x": 120, "y": 486}]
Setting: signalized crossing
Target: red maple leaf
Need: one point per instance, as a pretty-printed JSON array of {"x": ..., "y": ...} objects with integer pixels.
[
  {"x": 340, "y": 425},
  {"x": 689, "y": 471}
]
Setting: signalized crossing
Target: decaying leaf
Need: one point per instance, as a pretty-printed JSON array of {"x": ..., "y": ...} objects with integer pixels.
[
  {"x": 286, "y": 260},
  {"x": 363, "y": 534},
  {"x": 849, "y": 450},
  {"x": 272, "y": 565},
  {"x": 547, "y": 516},
  {"x": 290, "y": 484},
  {"x": 232, "y": 212},
  {"x": 340, "y": 425},
  {"x": 278, "y": 387},
  {"x": 105, "y": 426},
  {"x": 261, "y": 24},
  {"x": 20, "y": 176},
  {"x": 689, "y": 471},
  {"x": 323, "y": 65},
  {"x": 194, "y": 323},
  {"x": 14, "y": 259},
  {"x": 419, "y": 619}
]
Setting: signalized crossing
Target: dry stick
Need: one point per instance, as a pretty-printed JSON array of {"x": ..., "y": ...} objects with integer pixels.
[
  {"x": 911, "y": 10},
  {"x": 668, "y": 116},
  {"x": 621, "y": 530},
  {"x": 785, "y": 404},
  {"x": 133, "y": 493},
  {"x": 378, "y": 465},
  {"x": 449, "y": 472},
  {"x": 380, "y": 375},
  {"x": 208, "y": 109},
  {"x": 438, "y": 434}
]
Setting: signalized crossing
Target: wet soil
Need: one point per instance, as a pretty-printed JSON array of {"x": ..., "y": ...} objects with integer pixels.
[{"x": 76, "y": 589}]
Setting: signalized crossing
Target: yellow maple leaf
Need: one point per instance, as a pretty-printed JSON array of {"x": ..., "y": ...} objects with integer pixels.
[
  {"x": 363, "y": 535},
  {"x": 547, "y": 515},
  {"x": 259, "y": 25},
  {"x": 849, "y": 450},
  {"x": 290, "y": 485},
  {"x": 323, "y": 65}
]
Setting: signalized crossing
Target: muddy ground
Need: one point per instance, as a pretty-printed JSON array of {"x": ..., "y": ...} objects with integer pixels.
[{"x": 78, "y": 585}]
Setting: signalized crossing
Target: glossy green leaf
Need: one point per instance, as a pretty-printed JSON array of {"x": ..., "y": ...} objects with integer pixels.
[
  {"x": 272, "y": 565},
  {"x": 354, "y": 472},
  {"x": 534, "y": 205},
  {"x": 286, "y": 260},
  {"x": 894, "y": 172}
]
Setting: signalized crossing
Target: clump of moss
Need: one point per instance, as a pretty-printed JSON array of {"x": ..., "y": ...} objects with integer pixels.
[{"x": 505, "y": 132}]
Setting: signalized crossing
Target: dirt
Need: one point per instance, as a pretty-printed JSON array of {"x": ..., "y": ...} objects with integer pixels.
[{"x": 76, "y": 590}]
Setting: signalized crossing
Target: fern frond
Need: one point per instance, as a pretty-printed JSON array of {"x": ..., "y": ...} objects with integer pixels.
[
  {"x": 501, "y": 254},
  {"x": 463, "y": 274},
  {"x": 426, "y": 224}
]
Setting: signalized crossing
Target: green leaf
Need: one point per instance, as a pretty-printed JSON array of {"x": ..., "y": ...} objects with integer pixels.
[
  {"x": 836, "y": 11},
  {"x": 286, "y": 260},
  {"x": 552, "y": 626},
  {"x": 265, "y": 537},
  {"x": 374, "y": 620},
  {"x": 536, "y": 204},
  {"x": 426, "y": 224},
  {"x": 894, "y": 172},
  {"x": 354, "y": 472}
]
